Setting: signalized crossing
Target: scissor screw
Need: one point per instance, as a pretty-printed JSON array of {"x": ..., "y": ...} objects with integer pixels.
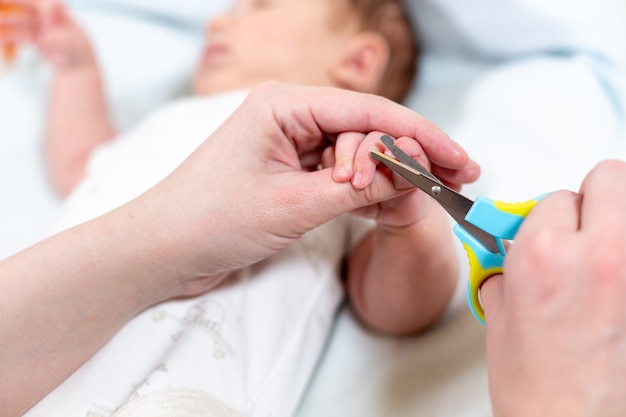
[{"x": 435, "y": 190}]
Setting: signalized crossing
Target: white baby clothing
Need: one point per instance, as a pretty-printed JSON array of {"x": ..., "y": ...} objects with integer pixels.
[{"x": 249, "y": 347}]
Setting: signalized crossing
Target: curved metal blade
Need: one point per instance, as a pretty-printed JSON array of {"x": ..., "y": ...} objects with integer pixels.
[
  {"x": 406, "y": 158},
  {"x": 457, "y": 205}
]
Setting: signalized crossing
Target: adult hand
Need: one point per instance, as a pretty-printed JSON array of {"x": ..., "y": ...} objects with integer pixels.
[
  {"x": 242, "y": 196},
  {"x": 246, "y": 191},
  {"x": 556, "y": 320}
]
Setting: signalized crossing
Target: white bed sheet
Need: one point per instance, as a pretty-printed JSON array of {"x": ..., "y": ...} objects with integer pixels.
[{"x": 537, "y": 107}]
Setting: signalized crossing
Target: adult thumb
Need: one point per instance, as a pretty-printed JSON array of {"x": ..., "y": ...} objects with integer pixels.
[
  {"x": 491, "y": 296},
  {"x": 327, "y": 198}
]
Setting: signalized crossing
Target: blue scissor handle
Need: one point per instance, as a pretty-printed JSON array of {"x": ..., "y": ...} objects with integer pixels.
[{"x": 501, "y": 220}]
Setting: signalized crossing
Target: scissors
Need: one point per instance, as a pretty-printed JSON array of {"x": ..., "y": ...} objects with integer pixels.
[{"x": 481, "y": 225}]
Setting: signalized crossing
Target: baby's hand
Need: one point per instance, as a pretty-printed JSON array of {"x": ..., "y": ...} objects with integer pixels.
[
  {"x": 62, "y": 40},
  {"x": 352, "y": 162},
  {"x": 48, "y": 25},
  {"x": 16, "y": 25}
]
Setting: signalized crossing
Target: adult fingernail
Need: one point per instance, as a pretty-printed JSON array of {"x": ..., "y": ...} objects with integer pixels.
[{"x": 462, "y": 152}]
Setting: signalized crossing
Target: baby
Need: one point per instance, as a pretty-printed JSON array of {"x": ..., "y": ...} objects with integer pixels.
[{"x": 250, "y": 345}]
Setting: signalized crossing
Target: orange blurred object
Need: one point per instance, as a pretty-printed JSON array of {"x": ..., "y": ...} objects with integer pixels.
[{"x": 9, "y": 50}]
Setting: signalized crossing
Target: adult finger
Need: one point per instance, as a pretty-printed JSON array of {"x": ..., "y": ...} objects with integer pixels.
[
  {"x": 491, "y": 296},
  {"x": 553, "y": 220},
  {"x": 604, "y": 198},
  {"x": 455, "y": 178},
  {"x": 559, "y": 210},
  {"x": 304, "y": 113}
]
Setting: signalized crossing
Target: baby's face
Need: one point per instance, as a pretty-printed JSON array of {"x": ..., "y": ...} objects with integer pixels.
[{"x": 259, "y": 40}]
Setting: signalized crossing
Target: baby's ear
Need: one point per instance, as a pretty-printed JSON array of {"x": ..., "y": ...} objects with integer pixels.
[{"x": 363, "y": 63}]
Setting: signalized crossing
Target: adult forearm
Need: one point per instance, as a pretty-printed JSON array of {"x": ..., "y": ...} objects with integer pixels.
[{"x": 64, "y": 298}]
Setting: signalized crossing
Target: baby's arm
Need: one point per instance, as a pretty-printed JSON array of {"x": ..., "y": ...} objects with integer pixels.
[
  {"x": 401, "y": 276},
  {"x": 78, "y": 117}
]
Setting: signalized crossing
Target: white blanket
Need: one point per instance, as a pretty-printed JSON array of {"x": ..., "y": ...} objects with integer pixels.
[{"x": 533, "y": 89}]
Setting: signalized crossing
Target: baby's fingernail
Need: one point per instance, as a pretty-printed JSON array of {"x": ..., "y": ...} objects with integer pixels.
[{"x": 357, "y": 179}]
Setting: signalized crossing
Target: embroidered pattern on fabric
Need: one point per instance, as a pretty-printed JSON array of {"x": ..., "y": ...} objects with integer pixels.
[{"x": 207, "y": 315}]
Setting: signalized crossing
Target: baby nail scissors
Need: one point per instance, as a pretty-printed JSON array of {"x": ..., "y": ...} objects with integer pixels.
[{"x": 481, "y": 224}]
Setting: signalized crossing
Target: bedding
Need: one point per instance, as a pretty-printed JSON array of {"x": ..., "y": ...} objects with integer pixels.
[{"x": 534, "y": 90}]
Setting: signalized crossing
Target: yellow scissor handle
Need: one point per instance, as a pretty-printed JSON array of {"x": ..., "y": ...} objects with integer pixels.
[{"x": 501, "y": 220}]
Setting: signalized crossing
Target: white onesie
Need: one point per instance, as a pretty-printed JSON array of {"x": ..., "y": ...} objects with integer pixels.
[{"x": 247, "y": 348}]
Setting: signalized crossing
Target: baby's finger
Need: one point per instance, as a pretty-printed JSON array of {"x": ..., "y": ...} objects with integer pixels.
[
  {"x": 311, "y": 160},
  {"x": 328, "y": 157},
  {"x": 55, "y": 13},
  {"x": 345, "y": 149},
  {"x": 364, "y": 167},
  {"x": 17, "y": 6},
  {"x": 17, "y": 23}
]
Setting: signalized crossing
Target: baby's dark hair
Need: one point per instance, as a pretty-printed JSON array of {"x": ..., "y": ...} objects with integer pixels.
[{"x": 390, "y": 19}]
